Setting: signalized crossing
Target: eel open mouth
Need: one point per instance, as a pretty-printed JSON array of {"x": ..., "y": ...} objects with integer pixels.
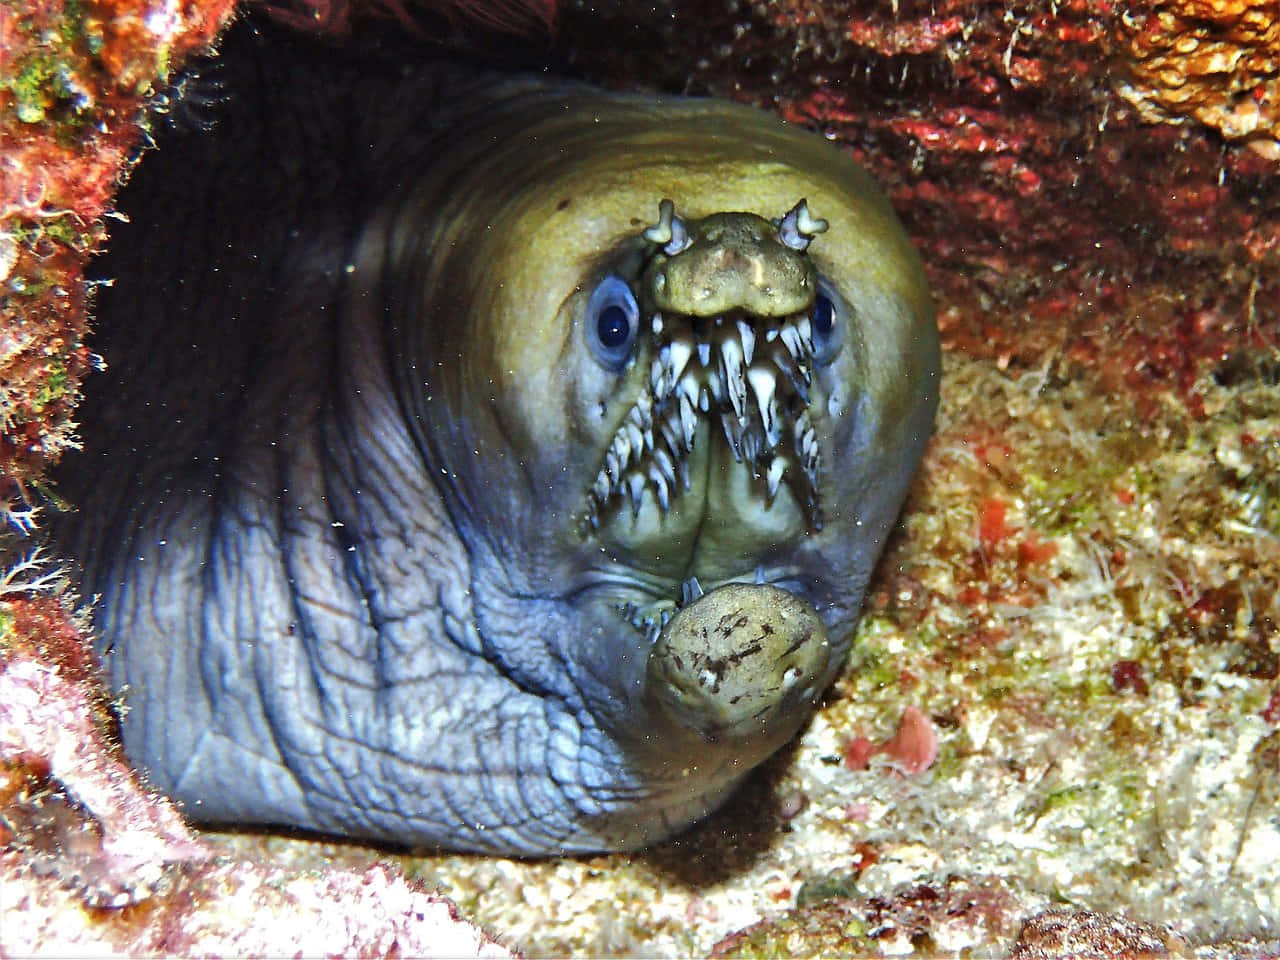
[
  {"x": 732, "y": 318},
  {"x": 742, "y": 361},
  {"x": 752, "y": 374}
]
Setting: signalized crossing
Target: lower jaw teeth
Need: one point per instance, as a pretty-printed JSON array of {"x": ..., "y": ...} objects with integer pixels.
[{"x": 652, "y": 617}]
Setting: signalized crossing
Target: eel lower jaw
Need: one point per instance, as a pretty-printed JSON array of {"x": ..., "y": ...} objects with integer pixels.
[{"x": 741, "y": 667}]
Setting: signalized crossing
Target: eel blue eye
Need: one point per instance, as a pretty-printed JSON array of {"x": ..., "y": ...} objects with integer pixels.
[
  {"x": 612, "y": 327},
  {"x": 612, "y": 322},
  {"x": 826, "y": 322}
]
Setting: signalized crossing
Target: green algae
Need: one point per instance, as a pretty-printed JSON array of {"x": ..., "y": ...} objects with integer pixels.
[
  {"x": 833, "y": 886},
  {"x": 45, "y": 80}
]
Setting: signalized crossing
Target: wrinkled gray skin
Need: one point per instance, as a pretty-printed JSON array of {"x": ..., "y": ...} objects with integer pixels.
[{"x": 385, "y": 535}]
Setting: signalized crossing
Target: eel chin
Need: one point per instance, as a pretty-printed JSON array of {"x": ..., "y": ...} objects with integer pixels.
[
  {"x": 500, "y": 463},
  {"x": 739, "y": 665}
]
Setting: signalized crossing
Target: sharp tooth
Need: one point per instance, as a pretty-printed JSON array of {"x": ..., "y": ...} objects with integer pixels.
[
  {"x": 622, "y": 448},
  {"x": 663, "y": 460},
  {"x": 732, "y": 433},
  {"x": 771, "y": 335},
  {"x": 717, "y": 389},
  {"x": 806, "y": 332},
  {"x": 773, "y": 427},
  {"x": 603, "y": 487},
  {"x": 681, "y": 351},
  {"x": 685, "y": 480},
  {"x": 657, "y": 323},
  {"x": 689, "y": 387},
  {"x": 612, "y": 467},
  {"x": 672, "y": 432},
  {"x": 791, "y": 337},
  {"x": 635, "y": 487},
  {"x": 751, "y": 451},
  {"x": 648, "y": 438},
  {"x": 787, "y": 364},
  {"x": 635, "y": 437},
  {"x": 704, "y": 353},
  {"x": 748, "y": 341},
  {"x": 774, "y": 477},
  {"x": 704, "y": 401},
  {"x": 655, "y": 374},
  {"x": 660, "y": 487},
  {"x": 690, "y": 591},
  {"x": 731, "y": 364},
  {"x": 763, "y": 385},
  {"x": 688, "y": 421},
  {"x": 642, "y": 412}
]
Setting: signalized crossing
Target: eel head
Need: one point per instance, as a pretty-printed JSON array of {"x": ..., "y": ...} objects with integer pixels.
[
  {"x": 716, "y": 466},
  {"x": 674, "y": 388}
]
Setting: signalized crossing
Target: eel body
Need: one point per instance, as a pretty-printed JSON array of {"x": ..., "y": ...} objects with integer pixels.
[{"x": 488, "y": 463}]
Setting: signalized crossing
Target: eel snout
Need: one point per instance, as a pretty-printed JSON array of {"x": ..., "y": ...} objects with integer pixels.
[{"x": 743, "y": 663}]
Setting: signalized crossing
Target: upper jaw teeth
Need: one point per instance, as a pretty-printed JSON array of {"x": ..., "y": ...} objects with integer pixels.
[{"x": 753, "y": 376}]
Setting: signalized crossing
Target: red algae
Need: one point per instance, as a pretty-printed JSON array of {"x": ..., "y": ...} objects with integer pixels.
[
  {"x": 912, "y": 749},
  {"x": 914, "y": 746}
]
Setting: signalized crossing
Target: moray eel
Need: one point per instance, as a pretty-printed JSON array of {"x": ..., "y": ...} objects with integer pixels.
[{"x": 487, "y": 463}]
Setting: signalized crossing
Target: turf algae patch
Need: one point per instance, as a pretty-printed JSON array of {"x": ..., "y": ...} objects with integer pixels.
[{"x": 1103, "y": 723}]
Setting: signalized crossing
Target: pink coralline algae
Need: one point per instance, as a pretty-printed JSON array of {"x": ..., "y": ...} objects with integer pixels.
[{"x": 913, "y": 747}]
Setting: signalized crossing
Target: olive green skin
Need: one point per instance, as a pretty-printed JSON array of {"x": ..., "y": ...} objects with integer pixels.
[
  {"x": 353, "y": 577},
  {"x": 734, "y": 261}
]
